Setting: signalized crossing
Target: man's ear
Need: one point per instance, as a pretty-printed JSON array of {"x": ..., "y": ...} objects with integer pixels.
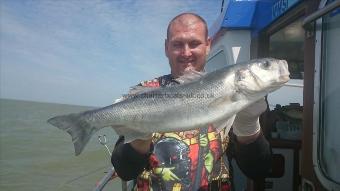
[
  {"x": 208, "y": 45},
  {"x": 166, "y": 43}
]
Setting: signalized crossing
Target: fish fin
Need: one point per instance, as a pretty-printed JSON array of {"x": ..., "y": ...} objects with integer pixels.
[
  {"x": 141, "y": 89},
  {"x": 221, "y": 101},
  {"x": 189, "y": 76},
  {"x": 130, "y": 135},
  {"x": 138, "y": 90},
  {"x": 79, "y": 129},
  {"x": 135, "y": 91},
  {"x": 225, "y": 124},
  {"x": 137, "y": 135}
]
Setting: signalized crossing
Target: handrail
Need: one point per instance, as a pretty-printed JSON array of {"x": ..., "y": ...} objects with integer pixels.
[{"x": 321, "y": 12}]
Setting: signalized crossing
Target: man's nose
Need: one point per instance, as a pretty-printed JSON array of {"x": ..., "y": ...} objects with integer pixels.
[{"x": 186, "y": 50}]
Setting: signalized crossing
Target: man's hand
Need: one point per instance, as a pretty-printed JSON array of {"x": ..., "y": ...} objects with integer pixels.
[{"x": 246, "y": 125}]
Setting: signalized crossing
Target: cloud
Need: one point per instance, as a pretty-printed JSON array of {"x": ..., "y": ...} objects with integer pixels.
[{"x": 92, "y": 47}]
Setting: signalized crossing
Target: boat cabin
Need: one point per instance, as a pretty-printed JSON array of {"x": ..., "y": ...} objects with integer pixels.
[{"x": 302, "y": 121}]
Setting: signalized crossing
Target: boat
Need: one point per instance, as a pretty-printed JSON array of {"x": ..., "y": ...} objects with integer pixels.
[{"x": 302, "y": 121}]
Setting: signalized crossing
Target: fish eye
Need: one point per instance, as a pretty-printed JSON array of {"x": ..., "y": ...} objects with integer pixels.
[{"x": 265, "y": 64}]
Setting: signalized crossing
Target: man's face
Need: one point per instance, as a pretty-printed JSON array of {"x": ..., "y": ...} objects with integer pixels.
[{"x": 187, "y": 47}]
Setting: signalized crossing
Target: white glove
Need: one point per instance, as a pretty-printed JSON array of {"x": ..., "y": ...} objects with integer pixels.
[{"x": 246, "y": 122}]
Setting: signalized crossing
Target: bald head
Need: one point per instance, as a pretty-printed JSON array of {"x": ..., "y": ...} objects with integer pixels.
[{"x": 187, "y": 20}]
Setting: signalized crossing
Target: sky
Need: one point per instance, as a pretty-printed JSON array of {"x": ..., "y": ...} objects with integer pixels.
[{"x": 86, "y": 52}]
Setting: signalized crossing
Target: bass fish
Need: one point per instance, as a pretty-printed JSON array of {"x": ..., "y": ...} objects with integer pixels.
[{"x": 207, "y": 99}]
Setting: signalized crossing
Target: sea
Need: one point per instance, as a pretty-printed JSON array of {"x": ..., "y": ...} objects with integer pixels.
[{"x": 35, "y": 155}]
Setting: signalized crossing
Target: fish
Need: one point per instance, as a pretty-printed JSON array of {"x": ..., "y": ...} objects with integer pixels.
[{"x": 199, "y": 100}]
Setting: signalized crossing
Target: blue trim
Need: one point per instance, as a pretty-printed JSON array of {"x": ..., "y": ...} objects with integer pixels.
[
  {"x": 253, "y": 15},
  {"x": 239, "y": 14},
  {"x": 335, "y": 12}
]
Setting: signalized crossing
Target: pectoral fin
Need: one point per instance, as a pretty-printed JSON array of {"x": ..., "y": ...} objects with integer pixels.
[
  {"x": 129, "y": 134},
  {"x": 221, "y": 101},
  {"x": 227, "y": 123}
]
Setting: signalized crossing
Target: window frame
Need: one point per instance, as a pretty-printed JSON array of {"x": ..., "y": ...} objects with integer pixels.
[{"x": 317, "y": 132}]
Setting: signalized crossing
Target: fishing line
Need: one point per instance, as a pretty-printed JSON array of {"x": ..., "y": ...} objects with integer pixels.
[
  {"x": 102, "y": 140},
  {"x": 84, "y": 175}
]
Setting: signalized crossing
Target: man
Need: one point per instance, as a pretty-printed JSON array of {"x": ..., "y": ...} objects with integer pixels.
[{"x": 192, "y": 160}]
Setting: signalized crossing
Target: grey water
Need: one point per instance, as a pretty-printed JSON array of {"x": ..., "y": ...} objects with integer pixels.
[{"x": 37, "y": 156}]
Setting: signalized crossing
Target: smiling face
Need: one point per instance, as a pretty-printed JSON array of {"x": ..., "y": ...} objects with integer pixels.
[{"x": 187, "y": 45}]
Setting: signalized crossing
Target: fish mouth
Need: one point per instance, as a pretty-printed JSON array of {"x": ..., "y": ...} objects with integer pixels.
[{"x": 284, "y": 78}]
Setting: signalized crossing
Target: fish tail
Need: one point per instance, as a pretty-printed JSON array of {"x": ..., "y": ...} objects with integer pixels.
[{"x": 79, "y": 129}]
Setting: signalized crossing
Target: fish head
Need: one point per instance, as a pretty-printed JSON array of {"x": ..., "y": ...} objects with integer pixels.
[{"x": 261, "y": 76}]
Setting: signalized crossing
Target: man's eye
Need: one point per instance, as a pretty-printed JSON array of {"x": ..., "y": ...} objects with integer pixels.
[
  {"x": 177, "y": 45},
  {"x": 194, "y": 44}
]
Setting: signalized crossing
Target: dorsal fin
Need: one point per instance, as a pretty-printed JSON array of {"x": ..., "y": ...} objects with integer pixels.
[
  {"x": 141, "y": 89},
  {"x": 189, "y": 76}
]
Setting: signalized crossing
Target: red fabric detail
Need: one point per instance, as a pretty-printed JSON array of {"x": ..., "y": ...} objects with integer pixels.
[
  {"x": 151, "y": 84},
  {"x": 215, "y": 145},
  {"x": 142, "y": 185},
  {"x": 225, "y": 187},
  {"x": 153, "y": 161},
  {"x": 215, "y": 148},
  {"x": 193, "y": 155},
  {"x": 204, "y": 178}
]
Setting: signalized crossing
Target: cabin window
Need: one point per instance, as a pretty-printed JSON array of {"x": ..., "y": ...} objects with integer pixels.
[
  {"x": 217, "y": 61},
  {"x": 328, "y": 99},
  {"x": 287, "y": 44}
]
